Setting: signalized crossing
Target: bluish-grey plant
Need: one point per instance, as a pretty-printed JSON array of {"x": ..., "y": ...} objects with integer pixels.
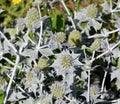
[{"x": 75, "y": 65}]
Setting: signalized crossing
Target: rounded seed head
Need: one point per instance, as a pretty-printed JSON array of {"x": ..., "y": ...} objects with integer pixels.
[
  {"x": 74, "y": 38},
  {"x": 32, "y": 17},
  {"x": 66, "y": 61},
  {"x": 60, "y": 37},
  {"x": 43, "y": 62},
  {"x": 57, "y": 90},
  {"x": 12, "y": 31},
  {"x": 91, "y": 11}
]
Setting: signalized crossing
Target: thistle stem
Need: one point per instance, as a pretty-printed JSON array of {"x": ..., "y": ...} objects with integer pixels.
[
  {"x": 88, "y": 93},
  {"x": 20, "y": 88},
  {"x": 9, "y": 61},
  {"x": 106, "y": 51},
  {"x": 110, "y": 32},
  {"x": 103, "y": 82},
  {"x": 110, "y": 5},
  {"x": 68, "y": 13},
  {"x": 41, "y": 86},
  {"x": 100, "y": 35},
  {"x": 113, "y": 11},
  {"x": 41, "y": 29},
  {"x": 11, "y": 79}
]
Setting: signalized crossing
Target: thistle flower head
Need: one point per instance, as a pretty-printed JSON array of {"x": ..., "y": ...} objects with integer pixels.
[
  {"x": 66, "y": 61},
  {"x": 74, "y": 38},
  {"x": 60, "y": 37},
  {"x": 16, "y": 1},
  {"x": 12, "y": 31},
  {"x": 91, "y": 11},
  {"x": 32, "y": 17},
  {"x": 20, "y": 24},
  {"x": 43, "y": 62},
  {"x": 57, "y": 90}
]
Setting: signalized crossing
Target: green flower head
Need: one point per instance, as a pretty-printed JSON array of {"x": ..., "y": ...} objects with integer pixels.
[
  {"x": 57, "y": 90},
  {"x": 60, "y": 37},
  {"x": 91, "y": 11},
  {"x": 12, "y": 31},
  {"x": 32, "y": 17},
  {"x": 74, "y": 38},
  {"x": 66, "y": 61},
  {"x": 43, "y": 62}
]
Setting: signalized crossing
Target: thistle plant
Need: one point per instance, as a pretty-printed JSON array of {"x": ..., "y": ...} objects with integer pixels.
[
  {"x": 77, "y": 63},
  {"x": 87, "y": 14}
]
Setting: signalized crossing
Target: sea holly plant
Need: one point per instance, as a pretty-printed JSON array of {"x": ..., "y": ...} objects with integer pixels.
[{"x": 60, "y": 52}]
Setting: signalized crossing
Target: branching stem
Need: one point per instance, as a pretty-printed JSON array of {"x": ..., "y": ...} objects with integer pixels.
[
  {"x": 11, "y": 78},
  {"x": 9, "y": 61},
  {"x": 11, "y": 45},
  {"x": 68, "y": 13},
  {"x": 106, "y": 52},
  {"x": 102, "y": 35},
  {"x": 20, "y": 88},
  {"x": 41, "y": 29}
]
